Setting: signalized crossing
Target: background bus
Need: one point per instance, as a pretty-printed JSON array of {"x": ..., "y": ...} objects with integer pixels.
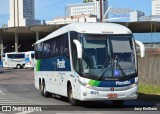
[
  {"x": 14, "y": 60},
  {"x": 29, "y": 59},
  {"x": 88, "y": 62}
]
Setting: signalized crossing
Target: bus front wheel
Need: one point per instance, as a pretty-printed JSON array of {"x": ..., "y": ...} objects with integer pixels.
[
  {"x": 23, "y": 66},
  {"x": 72, "y": 101}
]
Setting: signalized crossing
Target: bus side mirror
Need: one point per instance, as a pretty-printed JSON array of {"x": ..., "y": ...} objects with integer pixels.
[
  {"x": 142, "y": 48},
  {"x": 79, "y": 48}
]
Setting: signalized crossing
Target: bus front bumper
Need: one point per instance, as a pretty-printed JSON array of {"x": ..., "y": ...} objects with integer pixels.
[{"x": 88, "y": 94}]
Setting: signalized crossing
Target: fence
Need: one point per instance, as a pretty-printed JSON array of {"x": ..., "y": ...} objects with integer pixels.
[{"x": 149, "y": 69}]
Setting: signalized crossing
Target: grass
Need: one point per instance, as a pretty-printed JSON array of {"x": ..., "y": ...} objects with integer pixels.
[
  {"x": 149, "y": 89},
  {"x": 149, "y": 93}
]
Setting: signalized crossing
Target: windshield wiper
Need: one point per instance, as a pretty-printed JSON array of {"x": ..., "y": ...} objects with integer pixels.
[
  {"x": 117, "y": 64},
  {"x": 120, "y": 68},
  {"x": 100, "y": 74}
]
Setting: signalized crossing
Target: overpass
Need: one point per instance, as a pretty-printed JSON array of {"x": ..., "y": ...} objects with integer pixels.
[{"x": 23, "y": 38}]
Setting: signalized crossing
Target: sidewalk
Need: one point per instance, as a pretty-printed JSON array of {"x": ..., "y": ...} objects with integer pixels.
[{"x": 1, "y": 69}]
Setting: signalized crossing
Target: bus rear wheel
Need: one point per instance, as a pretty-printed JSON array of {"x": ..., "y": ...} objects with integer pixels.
[
  {"x": 43, "y": 90},
  {"x": 72, "y": 101},
  {"x": 23, "y": 66},
  {"x": 118, "y": 102},
  {"x": 18, "y": 66}
]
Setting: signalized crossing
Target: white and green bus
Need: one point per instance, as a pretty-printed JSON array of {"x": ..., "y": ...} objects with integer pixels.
[{"x": 88, "y": 62}]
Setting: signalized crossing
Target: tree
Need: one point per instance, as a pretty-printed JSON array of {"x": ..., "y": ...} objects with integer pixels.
[{"x": 85, "y": 1}]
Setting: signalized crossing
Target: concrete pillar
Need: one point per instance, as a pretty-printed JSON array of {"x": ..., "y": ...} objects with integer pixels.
[
  {"x": 155, "y": 28},
  {"x": 37, "y": 36},
  {"x": 16, "y": 42},
  {"x": 1, "y": 44}
]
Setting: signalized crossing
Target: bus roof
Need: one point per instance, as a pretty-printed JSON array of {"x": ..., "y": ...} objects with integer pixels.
[
  {"x": 15, "y": 53},
  {"x": 92, "y": 28}
]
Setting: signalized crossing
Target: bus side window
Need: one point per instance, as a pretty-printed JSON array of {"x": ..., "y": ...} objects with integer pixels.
[
  {"x": 66, "y": 45},
  {"x": 38, "y": 50},
  {"x": 47, "y": 49}
]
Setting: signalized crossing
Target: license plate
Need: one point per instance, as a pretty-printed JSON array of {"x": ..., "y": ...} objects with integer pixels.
[{"x": 112, "y": 95}]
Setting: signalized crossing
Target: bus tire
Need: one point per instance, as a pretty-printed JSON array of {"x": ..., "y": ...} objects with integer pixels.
[
  {"x": 118, "y": 102},
  {"x": 18, "y": 66},
  {"x": 23, "y": 66},
  {"x": 72, "y": 101},
  {"x": 43, "y": 90}
]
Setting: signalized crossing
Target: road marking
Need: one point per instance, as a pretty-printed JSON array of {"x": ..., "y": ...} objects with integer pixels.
[
  {"x": 1, "y": 93},
  {"x": 25, "y": 112},
  {"x": 3, "y": 98},
  {"x": 7, "y": 101},
  {"x": 11, "y": 102}
]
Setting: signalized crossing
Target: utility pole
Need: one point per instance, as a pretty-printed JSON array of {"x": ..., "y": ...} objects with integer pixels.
[{"x": 101, "y": 16}]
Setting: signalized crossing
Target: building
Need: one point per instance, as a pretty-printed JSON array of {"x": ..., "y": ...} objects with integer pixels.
[
  {"x": 80, "y": 9},
  {"x": 136, "y": 15},
  {"x": 103, "y": 5},
  {"x": 89, "y": 7},
  {"x": 150, "y": 18},
  {"x": 73, "y": 19},
  {"x": 155, "y": 7},
  {"x": 22, "y": 13},
  {"x": 155, "y": 13}
]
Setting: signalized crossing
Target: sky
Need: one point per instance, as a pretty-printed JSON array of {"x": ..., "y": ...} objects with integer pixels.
[{"x": 50, "y": 9}]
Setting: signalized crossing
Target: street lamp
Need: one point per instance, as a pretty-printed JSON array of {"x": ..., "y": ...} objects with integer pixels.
[
  {"x": 106, "y": 13},
  {"x": 151, "y": 32},
  {"x": 32, "y": 44},
  {"x": 19, "y": 46}
]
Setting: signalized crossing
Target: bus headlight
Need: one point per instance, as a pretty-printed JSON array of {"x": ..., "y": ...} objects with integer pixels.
[
  {"x": 84, "y": 84},
  {"x": 133, "y": 85},
  {"x": 87, "y": 85}
]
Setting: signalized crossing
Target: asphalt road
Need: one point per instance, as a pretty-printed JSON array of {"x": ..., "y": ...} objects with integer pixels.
[{"x": 17, "y": 89}]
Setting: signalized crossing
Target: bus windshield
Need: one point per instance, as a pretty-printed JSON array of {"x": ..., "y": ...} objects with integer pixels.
[{"x": 106, "y": 56}]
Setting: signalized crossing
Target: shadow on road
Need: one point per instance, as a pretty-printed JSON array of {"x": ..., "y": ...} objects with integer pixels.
[
  {"x": 107, "y": 105},
  {"x": 149, "y": 98}
]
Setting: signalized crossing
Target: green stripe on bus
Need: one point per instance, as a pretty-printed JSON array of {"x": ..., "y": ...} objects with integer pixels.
[
  {"x": 38, "y": 65},
  {"x": 91, "y": 82},
  {"x": 96, "y": 83}
]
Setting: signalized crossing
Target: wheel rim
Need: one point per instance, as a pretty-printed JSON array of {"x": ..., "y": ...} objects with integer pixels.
[
  {"x": 23, "y": 66},
  {"x": 42, "y": 87},
  {"x": 18, "y": 66}
]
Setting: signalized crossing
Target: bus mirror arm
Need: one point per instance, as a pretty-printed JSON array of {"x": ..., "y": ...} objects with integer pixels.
[
  {"x": 142, "y": 48},
  {"x": 79, "y": 48}
]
